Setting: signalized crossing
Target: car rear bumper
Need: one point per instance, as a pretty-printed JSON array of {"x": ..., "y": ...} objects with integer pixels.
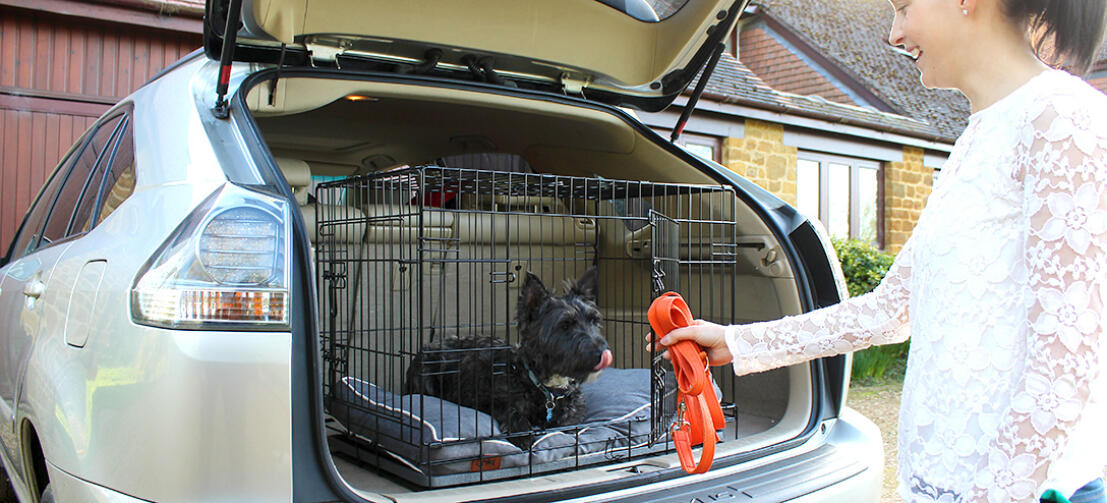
[{"x": 847, "y": 466}]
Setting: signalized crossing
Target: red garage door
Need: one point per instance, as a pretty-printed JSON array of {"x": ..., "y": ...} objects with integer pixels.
[{"x": 59, "y": 72}]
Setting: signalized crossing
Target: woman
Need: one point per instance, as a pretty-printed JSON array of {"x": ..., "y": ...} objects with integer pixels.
[{"x": 1002, "y": 284}]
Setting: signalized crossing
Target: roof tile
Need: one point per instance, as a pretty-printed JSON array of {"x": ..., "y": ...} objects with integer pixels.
[{"x": 732, "y": 82}]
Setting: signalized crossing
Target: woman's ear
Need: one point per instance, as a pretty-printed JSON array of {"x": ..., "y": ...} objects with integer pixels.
[{"x": 968, "y": 7}]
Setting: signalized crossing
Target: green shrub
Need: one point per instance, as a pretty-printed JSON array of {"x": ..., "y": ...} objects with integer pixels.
[{"x": 864, "y": 266}]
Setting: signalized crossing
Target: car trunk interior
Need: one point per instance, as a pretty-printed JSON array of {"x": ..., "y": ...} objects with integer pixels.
[{"x": 328, "y": 133}]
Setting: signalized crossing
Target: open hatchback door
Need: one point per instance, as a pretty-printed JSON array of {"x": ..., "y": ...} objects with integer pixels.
[{"x": 636, "y": 53}]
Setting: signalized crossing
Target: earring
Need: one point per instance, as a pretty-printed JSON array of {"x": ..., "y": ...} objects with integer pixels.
[{"x": 965, "y": 12}]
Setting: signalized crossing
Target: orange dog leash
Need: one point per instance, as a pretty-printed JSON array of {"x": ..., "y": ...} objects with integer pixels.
[{"x": 697, "y": 402}]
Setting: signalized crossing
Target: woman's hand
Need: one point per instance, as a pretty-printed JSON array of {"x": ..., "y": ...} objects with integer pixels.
[{"x": 710, "y": 336}]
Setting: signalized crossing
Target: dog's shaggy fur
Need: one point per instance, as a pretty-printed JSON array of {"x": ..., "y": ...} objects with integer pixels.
[{"x": 560, "y": 346}]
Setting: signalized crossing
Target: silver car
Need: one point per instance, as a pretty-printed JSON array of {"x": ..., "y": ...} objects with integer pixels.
[{"x": 220, "y": 292}]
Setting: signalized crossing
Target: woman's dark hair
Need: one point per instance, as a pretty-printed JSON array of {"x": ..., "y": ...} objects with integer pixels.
[{"x": 1063, "y": 32}]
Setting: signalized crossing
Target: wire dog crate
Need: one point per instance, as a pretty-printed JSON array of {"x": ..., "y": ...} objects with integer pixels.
[{"x": 411, "y": 256}]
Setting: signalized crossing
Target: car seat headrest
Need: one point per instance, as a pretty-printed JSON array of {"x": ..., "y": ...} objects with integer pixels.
[{"x": 298, "y": 174}]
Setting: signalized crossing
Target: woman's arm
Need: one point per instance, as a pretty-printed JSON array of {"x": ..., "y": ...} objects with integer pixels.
[
  {"x": 1063, "y": 167},
  {"x": 878, "y": 317}
]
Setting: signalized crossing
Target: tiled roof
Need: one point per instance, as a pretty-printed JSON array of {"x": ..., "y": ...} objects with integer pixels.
[
  {"x": 853, "y": 34},
  {"x": 733, "y": 83},
  {"x": 784, "y": 71}
]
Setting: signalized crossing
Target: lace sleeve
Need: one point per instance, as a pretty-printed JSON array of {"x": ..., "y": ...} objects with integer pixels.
[
  {"x": 1064, "y": 173},
  {"x": 878, "y": 317}
]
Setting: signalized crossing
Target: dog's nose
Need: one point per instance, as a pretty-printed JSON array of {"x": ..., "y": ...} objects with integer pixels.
[{"x": 605, "y": 360}]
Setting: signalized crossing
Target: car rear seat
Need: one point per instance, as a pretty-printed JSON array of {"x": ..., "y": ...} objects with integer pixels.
[{"x": 497, "y": 248}]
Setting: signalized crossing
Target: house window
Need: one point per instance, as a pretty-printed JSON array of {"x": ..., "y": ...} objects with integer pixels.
[
  {"x": 706, "y": 147},
  {"x": 843, "y": 193},
  {"x": 699, "y": 145}
]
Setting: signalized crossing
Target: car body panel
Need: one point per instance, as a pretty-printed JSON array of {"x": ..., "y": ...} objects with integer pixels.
[
  {"x": 132, "y": 393},
  {"x": 26, "y": 319},
  {"x": 180, "y": 415}
]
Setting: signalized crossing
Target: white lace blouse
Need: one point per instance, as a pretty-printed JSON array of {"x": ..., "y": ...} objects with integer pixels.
[{"x": 1001, "y": 288}]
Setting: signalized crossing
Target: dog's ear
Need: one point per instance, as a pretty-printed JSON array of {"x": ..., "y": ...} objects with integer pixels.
[
  {"x": 587, "y": 284},
  {"x": 532, "y": 295}
]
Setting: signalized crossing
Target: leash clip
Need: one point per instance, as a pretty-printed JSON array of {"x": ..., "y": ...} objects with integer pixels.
[{"x": 680, "y": 421}]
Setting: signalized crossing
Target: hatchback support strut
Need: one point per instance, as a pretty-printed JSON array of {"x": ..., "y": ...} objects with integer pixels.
[
  {"x": 708, "y": 69},
  {"x": 226, "y": 58}
]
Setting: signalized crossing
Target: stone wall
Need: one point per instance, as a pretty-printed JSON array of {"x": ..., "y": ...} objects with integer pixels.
[
  {"x": 763, "y": 158},
  {"x": 907, "y": 184}
]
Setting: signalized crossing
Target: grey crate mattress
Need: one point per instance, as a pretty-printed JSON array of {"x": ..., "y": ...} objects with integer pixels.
[{"x": 434, "y": 436}]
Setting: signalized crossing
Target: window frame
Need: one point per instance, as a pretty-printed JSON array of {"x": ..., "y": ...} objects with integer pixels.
[
  {"x": 855, "y": 164},
  {"x": 125, "y": 128},
  {"x": 98, "y": 163},
  {"x": 94, "y": 184}
]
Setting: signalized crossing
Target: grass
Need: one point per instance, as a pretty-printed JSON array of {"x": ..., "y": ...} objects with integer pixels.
[{"x": 893, "y": 374}]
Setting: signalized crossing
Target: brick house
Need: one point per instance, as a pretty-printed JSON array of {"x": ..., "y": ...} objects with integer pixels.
[{"x": 865, "y": 173}]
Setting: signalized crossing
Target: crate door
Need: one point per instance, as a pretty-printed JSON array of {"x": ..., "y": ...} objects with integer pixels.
[{"x": 665, "y": 275}]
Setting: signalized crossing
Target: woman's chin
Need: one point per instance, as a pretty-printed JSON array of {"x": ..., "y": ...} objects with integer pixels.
[
  {"x": 929, "y": 82},
  {"x": 925, "y": 81}
]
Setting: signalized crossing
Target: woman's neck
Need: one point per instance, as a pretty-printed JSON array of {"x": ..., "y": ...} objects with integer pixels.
[{"x": 998, "y": 69}]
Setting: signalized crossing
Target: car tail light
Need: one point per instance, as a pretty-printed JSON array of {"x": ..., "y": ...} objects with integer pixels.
[{"x": 225, "y": 267}]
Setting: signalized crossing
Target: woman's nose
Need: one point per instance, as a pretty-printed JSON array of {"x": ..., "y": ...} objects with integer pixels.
[{"x": 895, "y": 34}]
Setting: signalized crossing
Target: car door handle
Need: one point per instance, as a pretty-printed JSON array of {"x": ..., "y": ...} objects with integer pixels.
[{"x": 34, "y": 289}]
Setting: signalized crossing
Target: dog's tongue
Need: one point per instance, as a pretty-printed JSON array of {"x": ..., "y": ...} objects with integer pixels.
[{"x": 605, "y": 360}]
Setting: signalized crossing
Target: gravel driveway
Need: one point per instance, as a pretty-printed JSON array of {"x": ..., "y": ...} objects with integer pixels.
[{"x": 880, "y": 403}]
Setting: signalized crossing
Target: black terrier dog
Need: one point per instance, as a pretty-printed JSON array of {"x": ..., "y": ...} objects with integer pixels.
[{"x": 532, "y": 385}]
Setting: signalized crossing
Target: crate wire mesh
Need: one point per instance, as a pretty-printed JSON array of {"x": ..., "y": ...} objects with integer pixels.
[{"x": 410, "y": 256}]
